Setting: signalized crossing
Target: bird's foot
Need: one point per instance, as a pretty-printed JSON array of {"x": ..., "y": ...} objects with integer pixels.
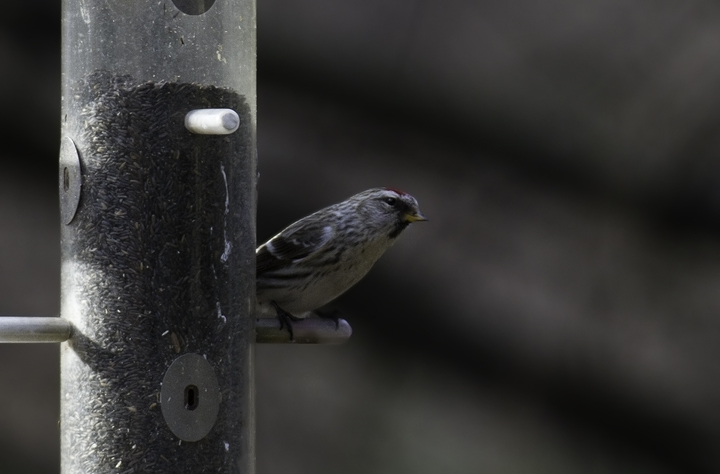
[
  {"x": 333, "y": 315},
  {"x": 285, "y": 319}
]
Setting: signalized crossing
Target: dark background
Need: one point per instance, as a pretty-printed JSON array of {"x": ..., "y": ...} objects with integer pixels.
[{"x": 558, "y": 314}]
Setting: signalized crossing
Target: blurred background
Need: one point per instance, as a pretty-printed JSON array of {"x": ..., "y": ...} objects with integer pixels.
[{"x": 559, "y": 312}]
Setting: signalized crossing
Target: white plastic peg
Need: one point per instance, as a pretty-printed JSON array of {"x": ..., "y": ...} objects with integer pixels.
[{"x": 212, "y": 121}]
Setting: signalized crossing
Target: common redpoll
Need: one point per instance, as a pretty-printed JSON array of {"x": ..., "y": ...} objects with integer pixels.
[{"x": 319, "y": 257}]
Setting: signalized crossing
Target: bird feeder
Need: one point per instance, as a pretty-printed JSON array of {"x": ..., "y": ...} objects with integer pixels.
[{"x": 157, "y": 186}]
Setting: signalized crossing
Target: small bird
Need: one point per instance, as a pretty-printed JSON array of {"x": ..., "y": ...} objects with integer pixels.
[{"x": 319, "y": 257}]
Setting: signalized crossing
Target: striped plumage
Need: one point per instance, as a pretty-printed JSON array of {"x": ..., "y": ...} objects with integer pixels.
[{"x": 319, "y": 257}]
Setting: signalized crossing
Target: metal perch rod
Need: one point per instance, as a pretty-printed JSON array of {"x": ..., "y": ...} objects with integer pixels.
[
  {"x": 34, "y": 329},
  {"x": 23, "y": 329}
]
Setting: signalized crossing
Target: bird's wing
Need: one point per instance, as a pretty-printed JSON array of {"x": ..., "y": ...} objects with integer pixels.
[{"x": 297, "y": 242}]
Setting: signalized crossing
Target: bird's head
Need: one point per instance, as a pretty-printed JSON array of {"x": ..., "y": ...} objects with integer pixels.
[{"x": 389, "y": 209}]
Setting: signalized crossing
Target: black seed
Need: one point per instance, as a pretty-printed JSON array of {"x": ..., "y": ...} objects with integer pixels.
[{"x": 142, "y": 243}]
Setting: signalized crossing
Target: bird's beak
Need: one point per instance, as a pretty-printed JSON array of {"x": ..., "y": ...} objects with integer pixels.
[{"x": 415, "y": 217}]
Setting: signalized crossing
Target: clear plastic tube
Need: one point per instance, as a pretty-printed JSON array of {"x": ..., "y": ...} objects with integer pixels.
[{"x": 158, "y": 257}]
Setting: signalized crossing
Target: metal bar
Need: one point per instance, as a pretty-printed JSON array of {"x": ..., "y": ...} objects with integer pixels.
[
  {"x": 306, "y": 331},
  {"x": 28, "y": 329},
  {"x": 34, "y": 329}
]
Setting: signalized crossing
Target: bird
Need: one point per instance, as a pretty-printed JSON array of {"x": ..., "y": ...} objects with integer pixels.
[{"x": 316, "y": 259}]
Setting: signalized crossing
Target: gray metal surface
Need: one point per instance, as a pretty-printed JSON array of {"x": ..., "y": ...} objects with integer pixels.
[
  {"x": 267, "y": 330},
  {"x": 306, "y": 331},
  {"x": 34, "y": 329},
  {"x": 70, "y": 180},
  {"x": 190, "y": 397}
]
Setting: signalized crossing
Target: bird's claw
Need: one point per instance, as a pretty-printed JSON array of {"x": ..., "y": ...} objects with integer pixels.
[{"x": 285, "y": 319}]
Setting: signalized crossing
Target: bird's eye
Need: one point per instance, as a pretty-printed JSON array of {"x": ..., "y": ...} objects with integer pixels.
[{"x": 390, "y": 201}]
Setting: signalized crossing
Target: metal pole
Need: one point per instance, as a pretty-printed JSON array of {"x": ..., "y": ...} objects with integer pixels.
[
  {"x": 307, "y": 331},
  {"x": 22, "y": 329},
  {"x": 34, "y": 329},
  {"x": 158, "y": 236}
]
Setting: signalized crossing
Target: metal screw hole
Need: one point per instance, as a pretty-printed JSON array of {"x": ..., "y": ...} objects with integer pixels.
[{"x": 192, "y": 398}]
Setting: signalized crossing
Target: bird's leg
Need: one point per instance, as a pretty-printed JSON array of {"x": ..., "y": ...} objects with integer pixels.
[
  {"x": 285, "y": 319},
  {"x": 333, "y": 315}
]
